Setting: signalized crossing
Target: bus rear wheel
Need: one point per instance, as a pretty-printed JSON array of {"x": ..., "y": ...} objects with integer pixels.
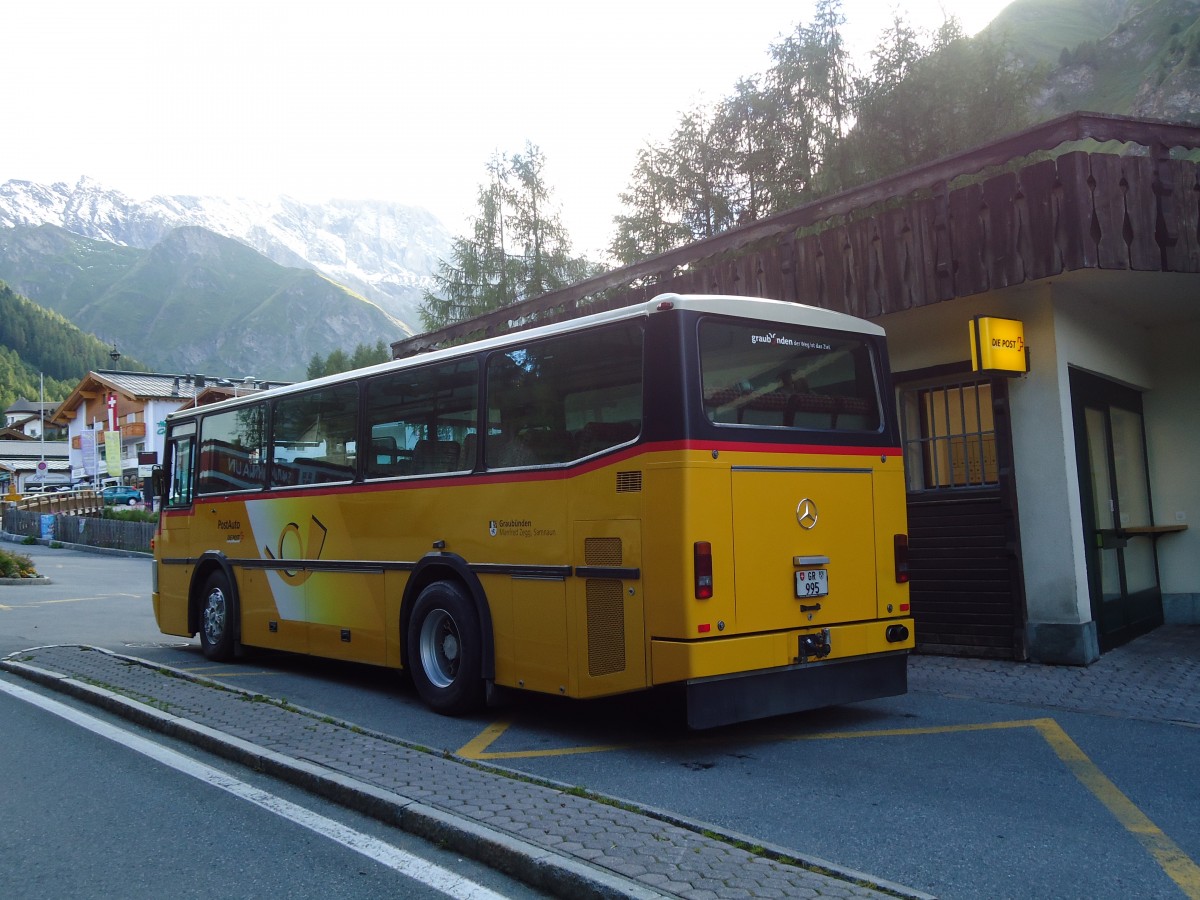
[
  {"x": 216, "y": 618},
  {"x": 445, "y": 650}
]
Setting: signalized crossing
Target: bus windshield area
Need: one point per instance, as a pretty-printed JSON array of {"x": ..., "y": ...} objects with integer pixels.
[{"x": 772, "y": 376}]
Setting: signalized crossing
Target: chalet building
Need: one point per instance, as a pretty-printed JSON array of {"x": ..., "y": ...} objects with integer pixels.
[
  {"x": 1054, "y": 509},
  {"x": 136, "y": 405},
  {"x": 30, "y": 418}
]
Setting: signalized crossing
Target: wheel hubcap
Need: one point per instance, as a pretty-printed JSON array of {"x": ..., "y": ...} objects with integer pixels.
[
  {"x": 439, "y": 646},
  {"x": 214, "y": 616}
]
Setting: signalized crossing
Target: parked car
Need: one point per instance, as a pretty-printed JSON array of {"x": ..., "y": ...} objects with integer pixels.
[{"x": 121, "y": 496}]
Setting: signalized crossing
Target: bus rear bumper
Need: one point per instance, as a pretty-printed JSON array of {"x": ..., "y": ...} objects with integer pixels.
[{"x": 742, "y": 697}]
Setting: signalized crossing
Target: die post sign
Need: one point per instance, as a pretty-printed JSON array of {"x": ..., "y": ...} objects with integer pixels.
[{"x": 998, "y": 346}]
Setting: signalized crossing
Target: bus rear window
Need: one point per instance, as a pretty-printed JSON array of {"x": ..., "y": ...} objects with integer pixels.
[{"x": 772, "y": 376}]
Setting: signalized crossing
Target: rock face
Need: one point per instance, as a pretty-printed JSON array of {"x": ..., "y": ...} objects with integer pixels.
[{"x": 387, "y": 252}]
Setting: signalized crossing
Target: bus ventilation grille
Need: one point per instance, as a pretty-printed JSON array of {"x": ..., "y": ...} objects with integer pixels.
[
  {"x": 606, "y": 626},
  {"x": 602, "y": 551},
  {"x": 605, "y": 608},
  {"x": 629, "y": 482}
]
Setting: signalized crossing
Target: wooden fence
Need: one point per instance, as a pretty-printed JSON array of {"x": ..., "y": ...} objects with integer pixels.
[
  {"x": 68, "y": 503},
  {"x": 91, "y": 531}
]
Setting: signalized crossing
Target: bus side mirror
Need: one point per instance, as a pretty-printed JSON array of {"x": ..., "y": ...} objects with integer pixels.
[{"x": 158, "y": 483}]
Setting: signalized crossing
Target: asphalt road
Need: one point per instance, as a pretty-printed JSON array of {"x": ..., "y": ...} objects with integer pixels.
[
  {"x": 951, "y": 795},
  {"x": 93, "y": 807}
]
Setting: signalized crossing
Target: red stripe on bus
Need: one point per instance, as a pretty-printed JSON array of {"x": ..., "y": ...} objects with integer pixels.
[{"x": 550, "y": 474}]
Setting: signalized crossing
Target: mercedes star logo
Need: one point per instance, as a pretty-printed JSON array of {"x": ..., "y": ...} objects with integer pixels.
[{"x": 806, "y": 514}]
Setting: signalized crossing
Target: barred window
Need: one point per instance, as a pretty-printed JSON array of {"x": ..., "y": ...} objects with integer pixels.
[{"x": 949, "y": 436}]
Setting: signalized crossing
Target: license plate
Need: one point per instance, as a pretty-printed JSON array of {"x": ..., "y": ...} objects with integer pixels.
[{"x": 812, "y": 583}]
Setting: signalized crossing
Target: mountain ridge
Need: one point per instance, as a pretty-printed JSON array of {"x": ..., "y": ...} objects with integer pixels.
[
  {"x": 195, "y": 301},
  {"x": 387, "y": 252}
]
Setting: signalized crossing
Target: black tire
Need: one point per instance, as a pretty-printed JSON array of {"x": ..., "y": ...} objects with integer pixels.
[
  {"x": 445, "y": 650},
  {"x": 217, "y": 616}
]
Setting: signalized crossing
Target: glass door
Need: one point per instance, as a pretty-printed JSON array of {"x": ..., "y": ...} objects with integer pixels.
[{"x": 1115, "y": 496}]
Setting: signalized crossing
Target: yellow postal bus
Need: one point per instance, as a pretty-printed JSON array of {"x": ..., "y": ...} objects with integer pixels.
[{"x": 696, "y": 491}]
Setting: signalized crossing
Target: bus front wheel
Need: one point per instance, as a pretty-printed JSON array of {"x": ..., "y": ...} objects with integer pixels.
[
  {"x": 216, "y": 618},
  {"x": 445, "y": 650}
]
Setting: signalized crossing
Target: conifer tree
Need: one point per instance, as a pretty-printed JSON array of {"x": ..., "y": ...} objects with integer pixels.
[{"x": 518, "y": 247}]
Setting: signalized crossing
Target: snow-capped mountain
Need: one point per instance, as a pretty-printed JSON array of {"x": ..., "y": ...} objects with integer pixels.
[{"x": 385, "y": 251}]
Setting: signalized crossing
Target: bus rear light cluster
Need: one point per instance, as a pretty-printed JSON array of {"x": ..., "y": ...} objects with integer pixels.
[
  {"x": 896, "y": 634},
  {"x": 901, "y": 545},
  {"x": 702, "y": 565}
]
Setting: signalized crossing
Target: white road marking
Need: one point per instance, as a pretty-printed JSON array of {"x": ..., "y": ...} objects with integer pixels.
[{"x": 429, "y": 874}]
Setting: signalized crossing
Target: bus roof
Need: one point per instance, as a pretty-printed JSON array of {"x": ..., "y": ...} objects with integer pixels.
[{"x": 759, "y": 308}]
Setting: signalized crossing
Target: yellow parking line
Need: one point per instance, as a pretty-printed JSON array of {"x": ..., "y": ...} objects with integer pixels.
[
  {"x": 477, "y": 748},
  {"x": 1179, "y": 868},
  {"x": 1170, "y": 858}
]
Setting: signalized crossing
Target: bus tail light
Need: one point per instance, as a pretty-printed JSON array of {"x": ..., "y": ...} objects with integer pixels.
[
  {"x": 702, "y": 557},
  {"x": 901, "y": 546}
]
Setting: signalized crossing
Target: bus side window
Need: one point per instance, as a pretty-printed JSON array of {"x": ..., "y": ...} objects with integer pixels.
[
  {"x": 313, "y": 437},
  {"x": 180, "y": 491},
  {"x": 425, "y": 415},
  {"x": 231, "y": 450},
  {"x": 383, "y": 452},
  {"x": 564, "y": 398}
]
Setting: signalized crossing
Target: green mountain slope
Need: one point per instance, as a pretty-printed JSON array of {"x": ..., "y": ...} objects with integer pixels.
[
  {"x": 195, "y": 302},
  {"x": 1039, "y": 29},
  {"x": 1129, "y": 57},
  {"x": 36, "y": 342}
]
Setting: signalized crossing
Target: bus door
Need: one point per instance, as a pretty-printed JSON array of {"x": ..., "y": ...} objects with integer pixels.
[
  {"x": 174, "y": 540},
  {"x": 805, "y": 547},
  {"x": 606, "y": 614}
]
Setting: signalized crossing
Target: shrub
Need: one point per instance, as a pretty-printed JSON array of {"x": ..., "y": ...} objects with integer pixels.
[
  {"x": 16, "y": 565},
  {"x": 130, "y": 515}
]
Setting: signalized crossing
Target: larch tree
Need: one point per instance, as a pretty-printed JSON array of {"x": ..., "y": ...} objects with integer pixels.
[{"x": 518, "y": 247}]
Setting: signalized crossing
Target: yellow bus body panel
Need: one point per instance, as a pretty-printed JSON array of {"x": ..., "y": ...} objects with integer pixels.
[{"x": 569, "y": 631}]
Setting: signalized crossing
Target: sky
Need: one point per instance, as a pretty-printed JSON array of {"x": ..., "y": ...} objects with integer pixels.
[{"x": 382, "y": 99}]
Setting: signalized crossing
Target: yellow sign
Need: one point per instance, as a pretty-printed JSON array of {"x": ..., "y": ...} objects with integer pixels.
[
  {"x": 998, "y": 345},
  {"x": 112, "y": 452}
]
